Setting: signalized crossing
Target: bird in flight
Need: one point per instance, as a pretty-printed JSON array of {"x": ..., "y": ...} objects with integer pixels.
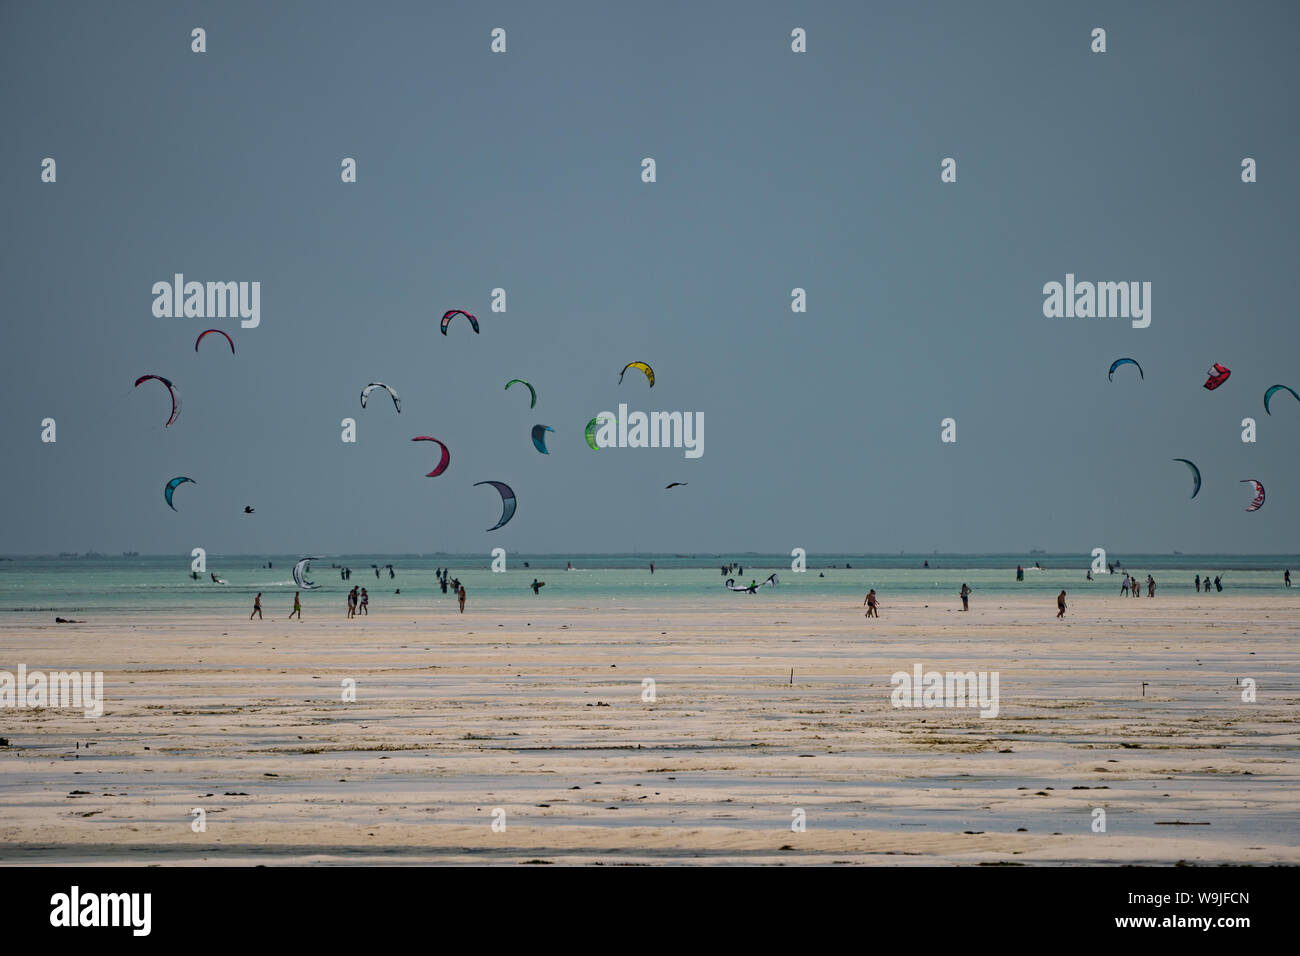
[
  {"x": 675, "y": 484},
  {"x": 248, "y": 509}
]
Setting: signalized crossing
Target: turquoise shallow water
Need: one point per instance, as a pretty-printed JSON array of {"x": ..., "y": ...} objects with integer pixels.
[{"x": 162, "y": 583}]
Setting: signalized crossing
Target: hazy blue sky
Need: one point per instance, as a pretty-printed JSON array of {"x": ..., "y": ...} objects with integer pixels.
[{"x": 775, "y": 170}]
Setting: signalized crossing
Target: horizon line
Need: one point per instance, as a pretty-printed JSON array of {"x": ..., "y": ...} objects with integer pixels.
[{"x": 661, "y": 554}]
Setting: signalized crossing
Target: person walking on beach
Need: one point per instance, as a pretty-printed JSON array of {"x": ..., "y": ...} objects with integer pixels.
[
  {"x": 1123, "y": 588},
  {"x": 460, "y": 597},
  {"x": 1151, "y": 586},
  {"x": 1198, "y": 584},
  {"x": 257, "y": 607},
  {"x": 1207, "y": 583},
  {"x": 873, "y": 606},
  {"x": 965, "y": 597},
  {"x": 297, "y": 607},
  {"x": 365, "y": 603},
  {"x": 1060, "y": 604},
  {"x": 352, "y": 603}
]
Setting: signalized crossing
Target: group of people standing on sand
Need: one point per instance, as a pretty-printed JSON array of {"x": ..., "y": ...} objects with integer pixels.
[
  {"x": 1132, "y": 584},
  {"x": 358, "y": 603},
  {"x": 873, "y": 602},
  {"x": 257, "y": 607},
  {"x": 1218, "y": 582}
]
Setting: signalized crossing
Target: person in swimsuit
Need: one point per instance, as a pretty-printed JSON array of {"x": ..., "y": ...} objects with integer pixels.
[
  {"x": 965, "y": 597},
  {"x": 365, "y": 602},
  {"x": 1060, "y": 604},
  {"x": 460, "y": 597},
  {"x": 257, "y": 607},
  {"x": 873, "y": 606},
  {"x": 297, "y": 607}
]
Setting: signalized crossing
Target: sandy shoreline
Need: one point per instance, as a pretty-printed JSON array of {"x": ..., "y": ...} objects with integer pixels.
[{"x": 539, "y": 711}]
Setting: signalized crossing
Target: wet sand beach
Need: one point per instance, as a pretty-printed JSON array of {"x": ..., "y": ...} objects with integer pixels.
[{"x": 539, "y": 712}]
